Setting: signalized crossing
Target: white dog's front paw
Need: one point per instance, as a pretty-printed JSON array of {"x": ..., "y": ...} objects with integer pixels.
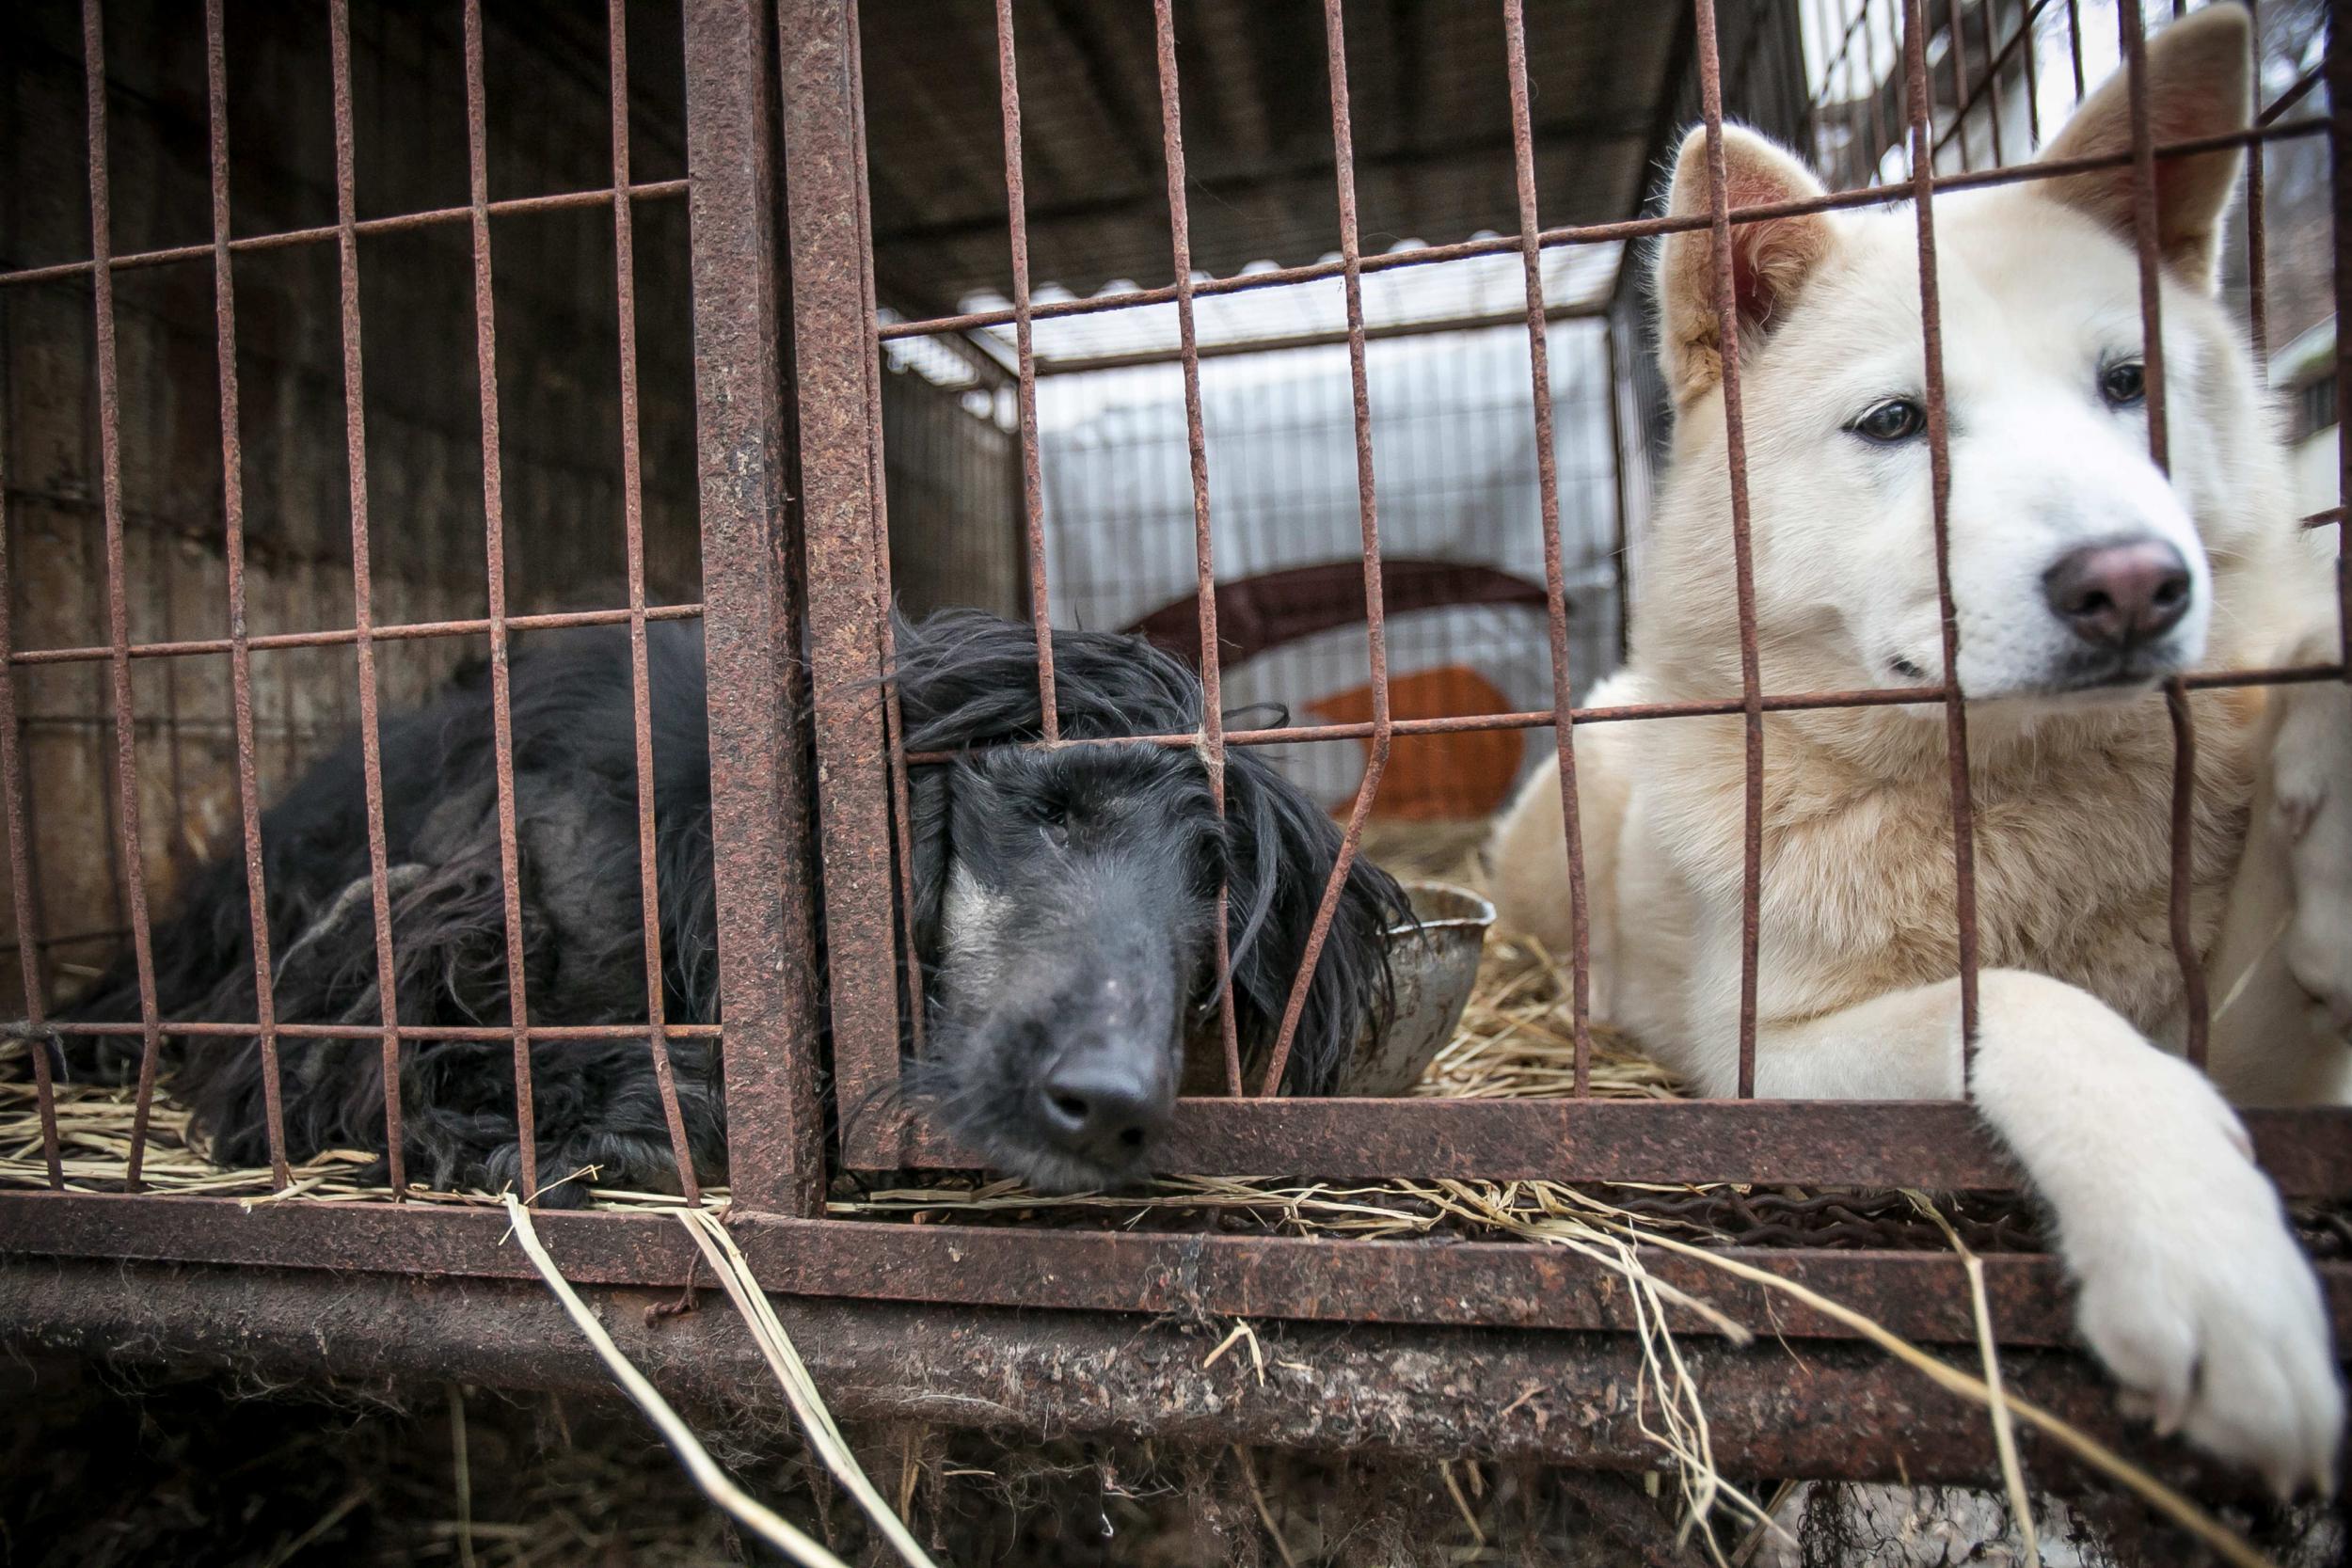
[
  {"x": 2312, "y": 790},
  {"x": 2197, "y": 1297}
]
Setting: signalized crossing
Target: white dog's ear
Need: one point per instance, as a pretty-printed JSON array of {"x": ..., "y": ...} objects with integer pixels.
[
  {"x": 1770, "y": 259},
  {"x": 2199, "y": 83}
]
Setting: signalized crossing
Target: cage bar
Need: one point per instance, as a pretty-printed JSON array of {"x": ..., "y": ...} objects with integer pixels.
[
  {"x": 493, "y": 549},
  {"x": 1923, "y": 187},
  {"x": 833, "y": 335},
  {"x": 126, "y": 836},
  {"x": 397, "y": 631},
  {"x": 1203, "y": 541},
  {"x": 1032, "y": 481},
  {"x": 1376, "y": 609},
  {"x": 759, "y": 699},
  {"x": 1577, "y": 234},
  {"x": 640, "y": 676},
  {"x": 239, "y": 653},
  {"x": 362, "y": 586},
  {"x": 327, "y": 234},
  {"x": 1547, "y": 512},
  {"x": 1735, "y": 449},
  {"x": 39, "y": 1042},
  {"x": 893, "y": 719}
]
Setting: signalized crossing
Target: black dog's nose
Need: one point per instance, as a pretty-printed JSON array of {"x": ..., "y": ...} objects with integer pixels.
[
  {"x": 1102, "y": 1105},
  {"x": 2119, "y": 592}
]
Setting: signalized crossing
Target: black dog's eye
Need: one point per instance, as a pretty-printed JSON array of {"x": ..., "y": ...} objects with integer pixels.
[
  {"x": 1886, "y": 423},
  {"x": 2123, "y": 384},
  {"x": 1054, "y": 817}
]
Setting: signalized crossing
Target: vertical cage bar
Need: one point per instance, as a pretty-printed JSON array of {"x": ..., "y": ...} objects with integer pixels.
[
  {"x": 494, "y": 551},
  {"x": 1622, "y": 543},
  {"x": 240, "y": 653},
  {"x": 1957, "y": 54},
  {"x": 1992, "y": 74},
  {"x": 1735, "y": 447},
  {"x": 134, "y": 866},
  {"x": 2339, "y": 65},
  {"x": 1203, "y": 543},
  {"x": 639, "y": 676},
  {"x": 894, "y": 716},
  {"x": 2075, "y": 43},
  {"x": 1879, "y": 138},
  {"x": 2257, "y": 228},
  {"x": 37, "y": 1044},
  {"x": 833, "y": 332},
  {"x": 362, "y": 581},
  {"x": 1032, "y": 483},
  {"x": 2029, "y": 25},
  {"x": 1376, "y": 616},
  {"x": 2133, "y": 47},
  {"x": 759, "y": 781},
  {"x": 1548, "y": 498},
  {"x": 1939, "y": 492}
]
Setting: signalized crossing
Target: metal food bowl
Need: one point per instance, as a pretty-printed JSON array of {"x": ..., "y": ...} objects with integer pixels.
[{"x": 1435, "y": 965}]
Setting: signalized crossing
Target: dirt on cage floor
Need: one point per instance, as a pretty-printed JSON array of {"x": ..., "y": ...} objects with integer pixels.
[
  {"x": 213, "y": 1470},
  {"x": 210, "y": 1471}
]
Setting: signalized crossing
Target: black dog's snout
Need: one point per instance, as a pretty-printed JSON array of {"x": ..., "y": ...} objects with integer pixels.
[
  {"x": 2120, "y": 592},
  {"x": 1103, "y": 1105}
]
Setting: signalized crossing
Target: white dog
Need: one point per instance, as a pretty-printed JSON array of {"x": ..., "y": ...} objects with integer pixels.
[{"x": 2082, "y": 576}]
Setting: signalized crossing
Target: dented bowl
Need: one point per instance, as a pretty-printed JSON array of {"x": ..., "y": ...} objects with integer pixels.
[{"x": 1435, "y": 965}]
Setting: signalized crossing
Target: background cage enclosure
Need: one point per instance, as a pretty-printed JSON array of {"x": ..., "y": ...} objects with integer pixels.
[{"x": 347, "y": 344}]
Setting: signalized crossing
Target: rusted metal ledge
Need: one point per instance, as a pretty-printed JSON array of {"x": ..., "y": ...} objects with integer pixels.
[
  {"x": 1833, "y": 1412},
  {"x": 1939, "y": 1144},
  {"x": 1495, "y": 1283}
]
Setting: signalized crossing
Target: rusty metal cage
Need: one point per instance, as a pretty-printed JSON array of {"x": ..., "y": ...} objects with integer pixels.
[{"x": 809, "y": 769}]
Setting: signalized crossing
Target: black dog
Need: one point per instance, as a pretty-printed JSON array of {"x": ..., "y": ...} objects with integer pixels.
[{"x": 1064, "y": 908}]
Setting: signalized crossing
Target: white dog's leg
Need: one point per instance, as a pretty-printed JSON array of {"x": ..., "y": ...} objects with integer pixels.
[
  {"x": 2312, "y": 777},
  {"x": 2194, "y": 1292}
]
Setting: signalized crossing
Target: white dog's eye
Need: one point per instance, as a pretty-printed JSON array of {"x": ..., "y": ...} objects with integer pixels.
[
  {"x": 1896, "y": 420},
  {"x": 2123, "y": 384}
]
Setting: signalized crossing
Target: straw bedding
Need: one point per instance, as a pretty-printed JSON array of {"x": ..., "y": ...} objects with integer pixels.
[{"x": 1514, "y": 1041}]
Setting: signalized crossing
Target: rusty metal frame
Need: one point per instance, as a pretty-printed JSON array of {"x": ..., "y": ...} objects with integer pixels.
[
  {"x": 1561, "y": 1398},
  {"x": 807, "y": 765},
  {"x": 1829, "y": 1143}
]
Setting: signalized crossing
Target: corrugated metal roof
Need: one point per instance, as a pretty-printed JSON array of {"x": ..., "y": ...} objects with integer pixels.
[{"x": 1431, "y": 112}]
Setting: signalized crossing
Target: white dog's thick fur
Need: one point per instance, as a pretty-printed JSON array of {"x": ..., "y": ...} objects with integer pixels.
[{"x": 2192, "y": 1288}]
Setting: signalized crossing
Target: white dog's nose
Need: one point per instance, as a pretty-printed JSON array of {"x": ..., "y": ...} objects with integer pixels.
[{"x": 2120, "y": 592}]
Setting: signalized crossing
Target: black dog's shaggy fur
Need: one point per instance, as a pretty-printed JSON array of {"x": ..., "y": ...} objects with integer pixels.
[{"x": 964, "y": 680}]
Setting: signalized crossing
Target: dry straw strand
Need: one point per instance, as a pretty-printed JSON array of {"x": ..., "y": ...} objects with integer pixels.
[
  {"x": 715, "y": 1482},
  {"x": 2004, "y": 1427},
  {"x": 734, "y": 1274}
]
